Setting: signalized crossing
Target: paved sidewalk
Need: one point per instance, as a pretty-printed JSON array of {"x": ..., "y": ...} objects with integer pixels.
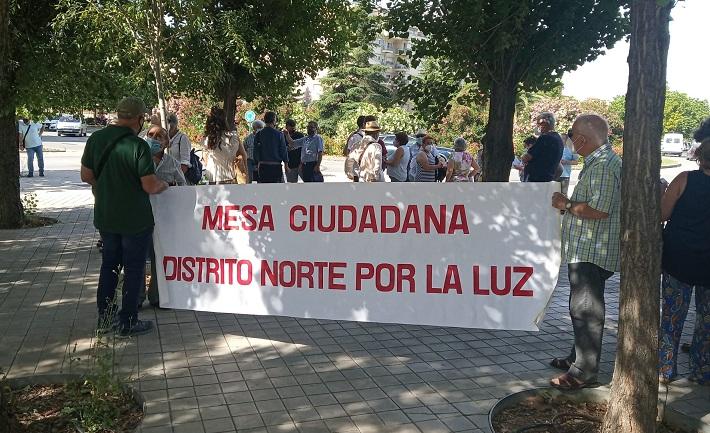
[{"x": 207, "y": 372}]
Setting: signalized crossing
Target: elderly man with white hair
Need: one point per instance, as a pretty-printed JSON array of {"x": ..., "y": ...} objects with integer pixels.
[
  {"x": 180, "y": 145},
  {"x": 543, "y": 158},
  {"x": 590, "y": 246},
  {"x": 256, "y": 126}
]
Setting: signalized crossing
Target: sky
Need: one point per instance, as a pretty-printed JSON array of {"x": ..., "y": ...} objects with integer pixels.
[{"x": 688, "y": 60}]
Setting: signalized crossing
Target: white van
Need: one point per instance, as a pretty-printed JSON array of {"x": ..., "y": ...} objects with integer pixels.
[{"x": 672, "y": 144}]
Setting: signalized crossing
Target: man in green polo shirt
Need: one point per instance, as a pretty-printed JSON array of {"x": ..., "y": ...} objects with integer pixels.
[{"x": 119, "y": 166}]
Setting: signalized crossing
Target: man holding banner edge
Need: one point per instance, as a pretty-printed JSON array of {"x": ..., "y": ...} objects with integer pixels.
[{"x": 590, "y": 246}]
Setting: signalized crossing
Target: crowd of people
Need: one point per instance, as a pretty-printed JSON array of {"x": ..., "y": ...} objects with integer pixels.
[
  {"x": 124, "y": 171},
  {"x": 272, "y": 155}
]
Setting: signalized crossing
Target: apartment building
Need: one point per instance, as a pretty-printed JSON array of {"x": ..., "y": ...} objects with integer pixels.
[{"x": 392, "y": 53}]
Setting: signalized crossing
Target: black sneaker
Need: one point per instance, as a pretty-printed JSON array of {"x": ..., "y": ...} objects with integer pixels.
[
  {"x": 139, "y": 328},
  {"x": 41, "y": 175}
]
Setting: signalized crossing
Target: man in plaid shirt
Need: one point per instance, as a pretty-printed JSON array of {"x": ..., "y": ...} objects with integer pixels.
[{"x": 590, "y": 246}]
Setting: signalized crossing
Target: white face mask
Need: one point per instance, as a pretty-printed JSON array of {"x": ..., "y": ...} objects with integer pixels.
[
  {"x": 428, "y": 147},
  {"x": 577, "y": 149}
]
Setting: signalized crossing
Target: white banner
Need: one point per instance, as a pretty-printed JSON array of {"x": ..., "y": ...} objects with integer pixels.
[{"x": 474, "y": 255}]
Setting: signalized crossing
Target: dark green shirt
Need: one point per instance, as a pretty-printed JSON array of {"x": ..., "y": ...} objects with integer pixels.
[{"x": 121, "y": 206}]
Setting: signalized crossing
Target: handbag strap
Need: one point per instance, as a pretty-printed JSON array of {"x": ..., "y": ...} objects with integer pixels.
[
  {"x": 29, "y": 126},
  {"x": 106, "y": 153}
]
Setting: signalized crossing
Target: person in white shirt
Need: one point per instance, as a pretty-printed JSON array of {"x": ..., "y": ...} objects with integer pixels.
[
  {"x": 180, "y": 145},
  {"x": 29, "y": 139},
  {"x": 221, "y": 151},
  {"x": 356, "y": 136},
  {"x": 368, "y": 154},
  {"x": 397, "y": 165}
]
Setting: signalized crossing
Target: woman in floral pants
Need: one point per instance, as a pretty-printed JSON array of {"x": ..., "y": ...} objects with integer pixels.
[{"x": 686, "y": 265}]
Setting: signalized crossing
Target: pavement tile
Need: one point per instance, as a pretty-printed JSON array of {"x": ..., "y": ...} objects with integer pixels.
[
  {"x": 247, "y": 421},
  {"x": 243, "y": 409},
  {"x": 221, "y": 425},
  {"x": 214, "y": 412}
]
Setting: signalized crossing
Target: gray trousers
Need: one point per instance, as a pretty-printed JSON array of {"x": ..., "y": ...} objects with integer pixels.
[{"x": 586, "y": 307}]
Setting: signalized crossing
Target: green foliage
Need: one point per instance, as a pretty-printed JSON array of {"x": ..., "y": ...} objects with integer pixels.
[
  {"x": 355, "y": 81},
  {"x": 192, "y": 114},
  {"x": 532, "y": 43},
  {"x": 97, "y": 401},
  {"x": 434, "y": 91},
  {"x": 681, "y": 113},
  {"x": 467, "y": 121},
  {"x": 509, "y": 45},
  {"x": 62, "y": 66},
  {"x": 259, "y": 49}
]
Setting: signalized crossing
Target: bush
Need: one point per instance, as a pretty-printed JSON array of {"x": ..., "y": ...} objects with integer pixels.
[{"x": 192, "y": 115}]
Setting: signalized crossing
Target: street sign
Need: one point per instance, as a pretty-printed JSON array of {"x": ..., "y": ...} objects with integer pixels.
[{"x": 250, "y": 116}]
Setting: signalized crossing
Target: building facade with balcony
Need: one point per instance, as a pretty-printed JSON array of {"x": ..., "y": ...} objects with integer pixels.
[{"x": 393, "y": 53}]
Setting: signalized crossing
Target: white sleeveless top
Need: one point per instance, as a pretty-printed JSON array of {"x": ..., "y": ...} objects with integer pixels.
[
  {"x": 220, "y": 164},
  {"x": 399, "y": 171}
]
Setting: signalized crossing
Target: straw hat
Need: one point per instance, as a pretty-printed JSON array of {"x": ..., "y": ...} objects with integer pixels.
[{"x": 372, "y": 126}]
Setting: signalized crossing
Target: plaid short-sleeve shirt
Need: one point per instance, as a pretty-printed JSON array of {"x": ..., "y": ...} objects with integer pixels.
[{"x": 596, "y": 241}]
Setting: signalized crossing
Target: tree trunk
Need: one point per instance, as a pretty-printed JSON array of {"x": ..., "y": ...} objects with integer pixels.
[
  {"x": 498, "y": 140},
  {"x": 11, "y": 214},
  {"x": 634, "y": 395},
  {"x": 156, "y": 45},
  {"x": 229, "y": 96}
]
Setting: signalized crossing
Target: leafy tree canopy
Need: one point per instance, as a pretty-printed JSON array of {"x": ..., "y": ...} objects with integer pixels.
[
  {"x": 355, "y": 80},
  {"x": 681, "y": 113},
  {"x": 534, "y": 42},
  {"x": 506, "y": 46},
  {"x": 261, "y": 48}
]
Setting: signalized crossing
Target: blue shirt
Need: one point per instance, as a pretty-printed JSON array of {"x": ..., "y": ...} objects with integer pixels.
[
  {"x": 310, "y": 147},
  {"x": 568, "y": 155},
  {"x": 270, "y": 146}
]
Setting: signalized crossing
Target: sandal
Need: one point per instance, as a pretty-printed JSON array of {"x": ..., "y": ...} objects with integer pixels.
[
  {"x": 570, "y": 383},
  {"x": 561, "y": 364}
]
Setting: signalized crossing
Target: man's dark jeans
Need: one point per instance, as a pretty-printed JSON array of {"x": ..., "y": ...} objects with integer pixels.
[
  {"x": 271, "y": 173},
  {"x": 308, "y": 170},
  {"x": 586, "y": 307},
  {"x": 128, "y": 251}
]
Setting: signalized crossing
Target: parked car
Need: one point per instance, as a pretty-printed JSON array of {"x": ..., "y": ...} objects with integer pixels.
[
  {"x": 672, "y": 144},
  {"x": 71, "y": 125},
  {"x": 50, "y": 124},
  {"x": 691, "y": 152}
]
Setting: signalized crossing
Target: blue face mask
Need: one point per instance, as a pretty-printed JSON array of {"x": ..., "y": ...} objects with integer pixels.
[{"x": 154, "y": 144}]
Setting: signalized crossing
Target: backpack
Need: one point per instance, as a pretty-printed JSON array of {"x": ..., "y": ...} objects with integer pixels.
[
  {"x": 194, "y": 173},
  {"x": 352, "y": 166},
  {"x": 346, "y": 151}
]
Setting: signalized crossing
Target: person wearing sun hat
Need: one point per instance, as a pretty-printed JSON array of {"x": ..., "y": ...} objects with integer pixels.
[{"x": 368, "y": 155}]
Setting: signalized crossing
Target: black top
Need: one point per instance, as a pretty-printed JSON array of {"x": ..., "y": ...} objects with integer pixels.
[
  {"x": 294, "y": 155},
  {"x": 270, "y": 146},
  {"x": 546, "y": 153},
  {"x": 686, "y": 238}
]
